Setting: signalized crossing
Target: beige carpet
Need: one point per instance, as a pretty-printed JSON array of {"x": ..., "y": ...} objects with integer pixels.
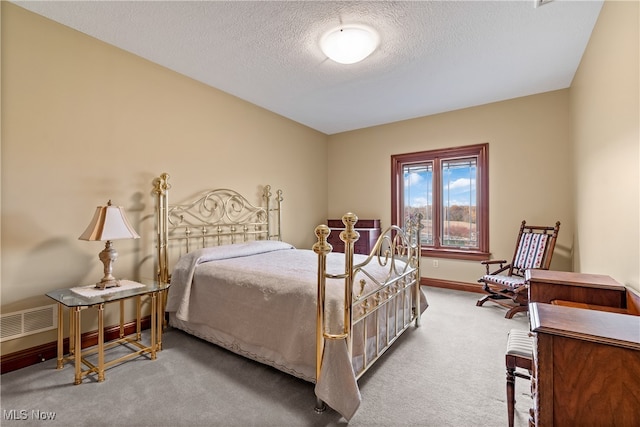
[{"x": 448, "y": 372}]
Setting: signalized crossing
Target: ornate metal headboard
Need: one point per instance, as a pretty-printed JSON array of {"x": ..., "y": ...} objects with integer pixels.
[{"x": 212, "y": 218}]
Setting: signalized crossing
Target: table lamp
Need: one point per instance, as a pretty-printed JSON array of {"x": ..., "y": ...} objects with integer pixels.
[{"x": 108, "y": 223}]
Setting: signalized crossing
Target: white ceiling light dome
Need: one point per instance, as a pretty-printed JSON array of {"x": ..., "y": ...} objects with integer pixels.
[{"x": 348, "y": 44}]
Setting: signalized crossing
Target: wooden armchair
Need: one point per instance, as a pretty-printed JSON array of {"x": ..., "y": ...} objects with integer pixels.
[{"x": 506, "y": 286}]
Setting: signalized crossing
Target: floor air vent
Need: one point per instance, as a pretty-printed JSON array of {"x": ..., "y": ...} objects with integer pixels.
[{"x": 26, "y": 322}]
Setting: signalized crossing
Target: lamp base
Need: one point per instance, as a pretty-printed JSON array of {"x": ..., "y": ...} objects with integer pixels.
[
  {"x": 108, "y": 283},
  {"x": 108, "y": 256}
]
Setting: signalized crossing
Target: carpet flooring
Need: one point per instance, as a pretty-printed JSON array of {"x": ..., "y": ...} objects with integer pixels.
[{"x": 448, "y": 372}]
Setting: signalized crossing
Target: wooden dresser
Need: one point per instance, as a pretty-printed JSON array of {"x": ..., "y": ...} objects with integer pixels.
[
  {"x": 586, "y": 367},
  {"x": 548, "y": 286},
  {"x": 369, "y": 230},
  {"x": 586, "y": 351}
]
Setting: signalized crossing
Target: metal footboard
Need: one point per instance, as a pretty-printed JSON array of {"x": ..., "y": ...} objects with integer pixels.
[{"x": 376, "y": 312}]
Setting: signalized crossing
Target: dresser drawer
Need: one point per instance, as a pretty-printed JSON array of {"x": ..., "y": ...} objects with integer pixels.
[
  {"x": 362, "y": 223},
  {"x": 368, "y": 236}
]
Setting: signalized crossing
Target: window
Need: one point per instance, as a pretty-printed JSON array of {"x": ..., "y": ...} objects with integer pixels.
[{"x": 450, "y": 189}]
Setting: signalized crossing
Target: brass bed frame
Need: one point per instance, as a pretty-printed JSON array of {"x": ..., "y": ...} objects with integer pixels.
[
  {"x": 212, "y": 218},
  {"x": 224, "y": 216},
  {"x": 402, "y": 281}
]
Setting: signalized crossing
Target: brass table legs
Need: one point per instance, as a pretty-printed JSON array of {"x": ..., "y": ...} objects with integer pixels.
[
  {"x": 76, "y": 354},
  {"x": 74, "y": 325}
]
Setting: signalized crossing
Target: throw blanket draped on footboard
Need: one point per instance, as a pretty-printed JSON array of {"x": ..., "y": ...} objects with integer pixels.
[{"x": 376, "y": 312}]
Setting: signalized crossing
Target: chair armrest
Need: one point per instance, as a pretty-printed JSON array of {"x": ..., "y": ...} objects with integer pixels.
[{"x": 493, "y": 262}]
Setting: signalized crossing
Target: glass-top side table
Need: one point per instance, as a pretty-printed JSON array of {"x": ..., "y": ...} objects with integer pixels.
[{"x": 84, "y": 297}]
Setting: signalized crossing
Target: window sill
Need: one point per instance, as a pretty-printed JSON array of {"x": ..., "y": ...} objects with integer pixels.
[{"x": 455, "y": 254}]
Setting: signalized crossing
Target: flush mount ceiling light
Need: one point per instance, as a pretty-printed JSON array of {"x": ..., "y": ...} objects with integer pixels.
[{"x": 349, "y": 44}]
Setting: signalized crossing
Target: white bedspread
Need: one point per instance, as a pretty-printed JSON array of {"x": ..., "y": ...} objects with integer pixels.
[{"x": 259, "y": 300}]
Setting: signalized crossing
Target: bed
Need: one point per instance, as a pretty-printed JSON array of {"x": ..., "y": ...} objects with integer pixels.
[{"x": 321, "y": 316}]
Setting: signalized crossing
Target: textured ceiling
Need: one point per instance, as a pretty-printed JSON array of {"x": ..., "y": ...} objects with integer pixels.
[{"x": 434, "y": 56}]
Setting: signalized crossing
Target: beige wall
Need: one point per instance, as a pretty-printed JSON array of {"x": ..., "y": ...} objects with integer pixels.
[
  {"x": 570, "y": 155},
  {"x": 84, "y": 122},
  {"x": 605, "y": 117},
  {"x": 529, "y": 170}
]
